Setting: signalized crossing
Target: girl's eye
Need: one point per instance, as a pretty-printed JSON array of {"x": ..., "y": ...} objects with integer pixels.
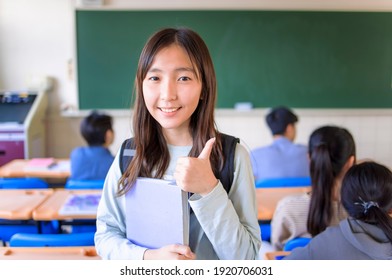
[
  {"x": 153, "y": 78},
  {"x": 184, "y": 79}
]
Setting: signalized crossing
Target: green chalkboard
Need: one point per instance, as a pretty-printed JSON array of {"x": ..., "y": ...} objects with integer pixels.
[{"x": 269, "y": 58}]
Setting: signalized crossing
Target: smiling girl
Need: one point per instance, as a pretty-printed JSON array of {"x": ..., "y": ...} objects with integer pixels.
[{"x": 175, "y": 137}]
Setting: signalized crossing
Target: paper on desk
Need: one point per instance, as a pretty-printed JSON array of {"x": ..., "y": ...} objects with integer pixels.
[
  {"x": 81, "y": 204},
  {"x": 61, "y": 166},
  {"x": 40, "y": 163}
]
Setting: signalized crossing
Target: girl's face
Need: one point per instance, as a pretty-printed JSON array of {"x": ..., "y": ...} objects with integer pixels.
[{"x": 172, "y": 90}]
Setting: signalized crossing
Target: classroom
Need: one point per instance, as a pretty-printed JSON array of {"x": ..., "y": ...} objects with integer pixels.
[
  {"x": 39, "y": 45},
  {"x": 43, "y": 44}
]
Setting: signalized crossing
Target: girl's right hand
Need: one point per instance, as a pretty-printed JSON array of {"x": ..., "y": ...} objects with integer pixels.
[{"x": 170, "y": 252}]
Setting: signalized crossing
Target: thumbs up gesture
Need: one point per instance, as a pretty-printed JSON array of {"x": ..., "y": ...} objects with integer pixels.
[{"x": 195, "y": 174}]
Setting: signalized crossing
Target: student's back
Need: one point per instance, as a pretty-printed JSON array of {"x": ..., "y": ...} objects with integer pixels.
[
  {"x": 367, "y": 234},
  {"x": 93, "y": 161},
  {"x": 332, "y": 152},
  {"x": 282, "y": 158},
  {"x": 90, "y": 163}
]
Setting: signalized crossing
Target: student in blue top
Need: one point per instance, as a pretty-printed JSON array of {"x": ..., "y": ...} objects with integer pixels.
[
  {"x": 92, "y": 162},
  {"x": 283, "y": 158},
  {"x": 175, "y": 137},
  {"x": 366, "y": 234}
]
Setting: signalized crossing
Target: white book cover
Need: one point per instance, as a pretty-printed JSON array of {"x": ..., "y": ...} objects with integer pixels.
[{"x": 157, "y": 213}]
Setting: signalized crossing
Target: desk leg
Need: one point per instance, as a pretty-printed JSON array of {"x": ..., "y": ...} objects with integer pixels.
[{"x": 39, "y": 226}]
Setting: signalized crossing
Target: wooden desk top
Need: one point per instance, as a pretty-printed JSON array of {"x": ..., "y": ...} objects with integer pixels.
[
  {"x": 48, "y": 253},
  {"x": 49, "y": 210},
  {"x": 19, "y": 204},
  {"x": 275, "y": 254},
  {"x": 268, "y": 198},
  {"x": 20, "y": 168}
]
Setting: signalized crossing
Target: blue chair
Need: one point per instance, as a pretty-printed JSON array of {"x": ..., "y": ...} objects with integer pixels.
[
  {"x": 84, "y": 184},
  {"x": 84, "y": 226},
  {"x": 23, "y": 183},
  {"x": 296, "y": 242},
  {"x": 10, "y": 227},
  {"x": 283, "y": 182},
  {"x": 52, "y": 240},
  {"x": 265, "y": 228}
]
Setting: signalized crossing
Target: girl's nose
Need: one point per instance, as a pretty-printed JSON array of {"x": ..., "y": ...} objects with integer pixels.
[{"x": 168, "y": 91}]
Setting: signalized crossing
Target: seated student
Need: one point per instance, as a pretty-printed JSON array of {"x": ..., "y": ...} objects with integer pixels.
[
  {"x": 367, "y": 234},
  {"x": 332, "y": 153},
  {"x": 282, "y": 158},
  {"x": 94, "y": 161}
]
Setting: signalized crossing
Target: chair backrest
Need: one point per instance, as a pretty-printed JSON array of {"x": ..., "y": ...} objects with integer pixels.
[
  {"x": 296, "y": 242},
  {"x": 283, "y": 182},
  {"x": 23, "y": 183},
  {"x": 84, "y": 184},
  {"x": 52, "y": 240},
  {"x": 265, "y": 229}
]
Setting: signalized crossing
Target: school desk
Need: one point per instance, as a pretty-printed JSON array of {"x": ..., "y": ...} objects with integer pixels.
[
  {"x": 20, "y": 168},
  {"x": 19, "y": 204},
  {"x": 268, "y": 198},
  {"x": 276, "y": 255},
  {"x": 49, "y": 209},
  {"x": 48, "y": 253}
]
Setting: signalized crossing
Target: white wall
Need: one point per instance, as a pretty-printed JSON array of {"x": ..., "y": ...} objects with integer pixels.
[{"x": 37, "y": 39}]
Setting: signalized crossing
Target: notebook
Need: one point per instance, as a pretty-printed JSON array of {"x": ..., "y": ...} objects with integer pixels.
[
  {"x": 157, "y": 213},
  {"x": 40, "y": 163},
  {"x": 80, "y": 204}
]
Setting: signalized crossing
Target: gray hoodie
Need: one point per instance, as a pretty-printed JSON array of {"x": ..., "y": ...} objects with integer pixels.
[{"x": 350, "y": 240}]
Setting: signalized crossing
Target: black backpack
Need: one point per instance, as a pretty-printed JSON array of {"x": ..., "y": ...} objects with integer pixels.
[{"x": 226, "y": 175}]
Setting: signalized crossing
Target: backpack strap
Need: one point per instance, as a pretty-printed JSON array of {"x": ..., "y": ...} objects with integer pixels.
[
  {"x": 226, "y": 176},
  {"x": 127, "y": 152}
]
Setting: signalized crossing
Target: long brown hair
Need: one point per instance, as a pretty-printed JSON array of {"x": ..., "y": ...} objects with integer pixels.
[{"x": 152, "y": 157}]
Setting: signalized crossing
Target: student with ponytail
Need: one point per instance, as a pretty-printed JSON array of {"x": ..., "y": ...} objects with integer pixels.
[
  {"x": 332, "y": 152},
  {"x": 366, "y": 195}
]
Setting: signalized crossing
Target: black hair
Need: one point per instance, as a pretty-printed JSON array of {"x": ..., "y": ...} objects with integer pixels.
[
  {"x": 94, "y": 127},
  {"x": 279, "y": 118},
  {"x": 367, "y": 195},
  {"x": 330, "y": 147}
]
